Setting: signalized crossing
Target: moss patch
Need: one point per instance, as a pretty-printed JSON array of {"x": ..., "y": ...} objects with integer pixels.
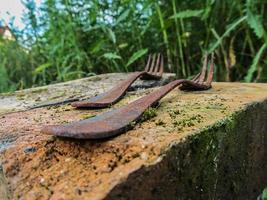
[
  {"x": 149, "y": 114},
  {"x": 88, "y": 116}
]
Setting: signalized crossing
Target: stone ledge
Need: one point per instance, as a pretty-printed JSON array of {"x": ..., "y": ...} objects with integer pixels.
[
  {"x": 68, "y": 91},
  {"x": 208, "y": 144}
]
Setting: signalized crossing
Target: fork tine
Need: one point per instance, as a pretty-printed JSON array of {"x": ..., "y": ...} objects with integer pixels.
[
  {"x": 150, "y": 69},
  {"x": 156, "y": 67},
  {"x": 195, "y": 78},
  {"x": 161, "y": 64},
  {"x": 148, "y": 63},
  {"x": 204, "y": 69},
  {"x": 152, "y": 64},
  {"x": 197, "y": 83},
  {"x": 211, "y": 70}
]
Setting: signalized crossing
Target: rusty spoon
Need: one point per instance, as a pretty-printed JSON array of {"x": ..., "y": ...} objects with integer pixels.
[
  {"x": 153, "y": 70},
  {"x": 118, "y": 120}
]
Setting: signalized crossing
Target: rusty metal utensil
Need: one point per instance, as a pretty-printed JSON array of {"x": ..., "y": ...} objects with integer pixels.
[
  {"x": 119, "y": 120},
  {"x": 153, "y": 70}
]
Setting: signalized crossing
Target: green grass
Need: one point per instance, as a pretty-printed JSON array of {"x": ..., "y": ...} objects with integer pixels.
[{"x": 70, "y": 39}]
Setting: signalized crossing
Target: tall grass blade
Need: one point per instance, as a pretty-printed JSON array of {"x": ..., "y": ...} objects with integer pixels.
[
  {"x": 136, "y": 56},
  {"x": 255, "y": 62},
  {"x": 187, "y": 14},
  {"x": 231, "y": 27}
]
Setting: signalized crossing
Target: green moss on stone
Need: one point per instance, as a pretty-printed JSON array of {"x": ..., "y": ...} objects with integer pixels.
[
  {"x": 219, "y": 150},
  {"x": 88, "y": 116},
  {"x": 149, "y": 114},
  {"x": 39, "y": 90}
]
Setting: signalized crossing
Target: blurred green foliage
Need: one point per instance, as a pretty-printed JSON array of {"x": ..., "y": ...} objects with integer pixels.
[{"x": 69, "y": 39}]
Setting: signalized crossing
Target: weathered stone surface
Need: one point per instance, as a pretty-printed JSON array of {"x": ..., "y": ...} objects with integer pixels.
[
  {"x": 69, "y": 91},
  {"x": 201, "y": 145}
]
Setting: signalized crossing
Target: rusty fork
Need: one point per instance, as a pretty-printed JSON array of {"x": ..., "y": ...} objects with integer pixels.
[
  {"x": 153, "y": 70},
  {"x": 119, "y": 120},
  {"x": 199, "y": 82}
]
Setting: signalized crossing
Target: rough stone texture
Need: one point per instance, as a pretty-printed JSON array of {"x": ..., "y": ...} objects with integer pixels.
[
  {"x": 70, "y": 91},
  {"x": 201, "y": 145}
]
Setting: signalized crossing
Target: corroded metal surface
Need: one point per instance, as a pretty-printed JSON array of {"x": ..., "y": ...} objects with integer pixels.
[
  {"x": 117, "y": 121},
  {"x": 110, "y": 123},
  {"x": 153, "y": 70},
  {"x": 110, "y": 97}
]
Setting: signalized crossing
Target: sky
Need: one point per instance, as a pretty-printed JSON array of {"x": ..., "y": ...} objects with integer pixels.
[{"x": 13, "y": 8}]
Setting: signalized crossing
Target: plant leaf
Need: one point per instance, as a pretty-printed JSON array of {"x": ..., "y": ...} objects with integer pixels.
[
  {"x": 97, "y": 46},
  {"x": 42, "y": 67},
  {"x": 255, "y": 62},
  {"x": 232, "y": 56},
  {"x": 111, "y": 35},
  {"x": 123, "y": 45},
  {"x": 254, "y": 21},
  {"x": 123, "y": 16},
  {"x": 230, "y": 28},
  {"x": 111, "y": 56},
  {"x": 187, "y": 14},
  {"x": 255, "y": 24},
  {"x": 89, "y": 28},
  {"x": 264, "y": 194},
  {"x": 136, "y": 55}
]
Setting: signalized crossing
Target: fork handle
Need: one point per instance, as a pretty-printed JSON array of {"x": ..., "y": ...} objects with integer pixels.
[
  {"x": 152, "y": 98},
  {"x": 113, "y": 122},
  {"x": 110, "y": 97}
]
